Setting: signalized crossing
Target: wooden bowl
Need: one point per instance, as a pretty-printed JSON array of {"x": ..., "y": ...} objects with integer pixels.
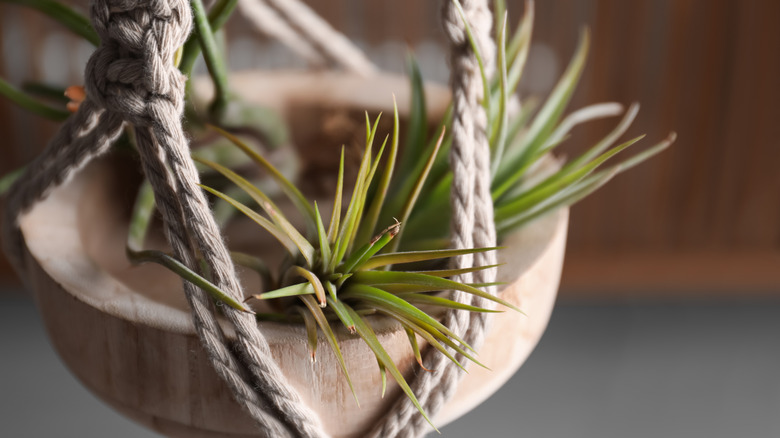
[{"x": 126, "y": 332}]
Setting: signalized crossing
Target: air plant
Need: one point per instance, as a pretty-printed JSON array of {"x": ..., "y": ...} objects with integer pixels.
[
  {"x": 343, "y": 273},
  {"x": 333, "y": 276}
]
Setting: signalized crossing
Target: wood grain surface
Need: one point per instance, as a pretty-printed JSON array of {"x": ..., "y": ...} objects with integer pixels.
[{"x": 125, "y": 332}]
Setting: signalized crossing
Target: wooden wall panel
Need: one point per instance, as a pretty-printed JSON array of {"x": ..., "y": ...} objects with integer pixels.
[{"x": 707, "y": 69}]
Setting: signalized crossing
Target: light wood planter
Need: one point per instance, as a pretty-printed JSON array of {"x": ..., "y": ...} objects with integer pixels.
[{"x": 126, "y": 332}]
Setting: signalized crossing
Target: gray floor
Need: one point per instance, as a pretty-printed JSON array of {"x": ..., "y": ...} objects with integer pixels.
[{"x": 623, "y": 371}]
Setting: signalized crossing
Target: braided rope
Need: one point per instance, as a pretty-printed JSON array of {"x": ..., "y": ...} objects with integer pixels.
[
  {"x": 472, "y": 214},
  {"x": 484, "y": 232},
  {"x": 153, "y": 161},
  {"x": 131, "y": 78},
  {"x": 142, "y": 37},
  {"x": 75, "y": 144}
]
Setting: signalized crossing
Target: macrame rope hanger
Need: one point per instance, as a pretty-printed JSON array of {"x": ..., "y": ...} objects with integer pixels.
[{"x": 131, "y": 80}]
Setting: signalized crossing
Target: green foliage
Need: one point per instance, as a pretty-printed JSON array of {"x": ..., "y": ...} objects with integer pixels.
[
  {"x": 211, "y": 54},
  {"x": 7, "y": 180},
  {"x": 30, "y": 104},
  {"x": 161, "y": 258},
  {"x": 519, "y": 143},
  {"x": 334, "y": 275},
  {"x": 64, "y": 15},
  {"x": 346, "y": 270},
  {"x": 337, "y": 273}
]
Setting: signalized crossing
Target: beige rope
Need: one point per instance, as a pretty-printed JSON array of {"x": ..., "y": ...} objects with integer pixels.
[
  {"x": 75, "y": 144},
  {"x": 142, "y": 37},
  {"x": 472, "y": 214},
  {"x": 131, "y": 78}
]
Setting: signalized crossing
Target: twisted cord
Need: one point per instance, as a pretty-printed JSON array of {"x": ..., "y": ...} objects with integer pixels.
[
  {"x": 226, "y": 366},
  {"x": 472, "y": 213},
  {"x": 85, "y": 135},
  {"x": 133, "y": 73},
  {"x": 256, "y": 354},
  {"x": 131, "y": 77},
  {"x": 484, "y": 232}
]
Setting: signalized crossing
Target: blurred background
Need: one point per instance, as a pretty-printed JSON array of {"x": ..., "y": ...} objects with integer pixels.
[{"x": 668, "y": 316}]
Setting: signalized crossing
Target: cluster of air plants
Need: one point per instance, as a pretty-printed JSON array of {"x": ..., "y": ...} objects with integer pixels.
[{"x": 341, "y": 270}]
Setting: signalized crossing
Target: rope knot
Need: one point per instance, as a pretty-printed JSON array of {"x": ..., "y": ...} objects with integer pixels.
[{"x": 132, "y": 72}]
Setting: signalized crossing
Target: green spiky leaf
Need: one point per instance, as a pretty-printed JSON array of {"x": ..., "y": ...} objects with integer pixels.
[
  {"x": 369, "y": 337},
  {"x": 418, "y": 256},
  {"x": 292, "y": 192},
  {"x": 322, "y": 321},
  {"x": 374, "y": 278},
  {"x": 186, "y": 273}
]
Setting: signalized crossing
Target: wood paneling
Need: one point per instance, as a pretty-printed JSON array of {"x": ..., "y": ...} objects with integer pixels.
[{"x": 707, "y": 69}]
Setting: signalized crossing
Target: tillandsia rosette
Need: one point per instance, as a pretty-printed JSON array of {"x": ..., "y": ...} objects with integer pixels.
[
  {"x": 332, "y": 275},
  {"x": 384, "y": 251}
]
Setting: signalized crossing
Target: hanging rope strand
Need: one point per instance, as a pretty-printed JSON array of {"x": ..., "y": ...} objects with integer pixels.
[
  {"x": 131, "y": 78},
  {"x": 484, "y": 232},
  {"x": 85, "y": 135},
  {"x": 226, "y": 366},
  {"x": 142, "y": 37},
  {"x": 266, "y": 375},
  {"x": 472, "y": 213}
]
